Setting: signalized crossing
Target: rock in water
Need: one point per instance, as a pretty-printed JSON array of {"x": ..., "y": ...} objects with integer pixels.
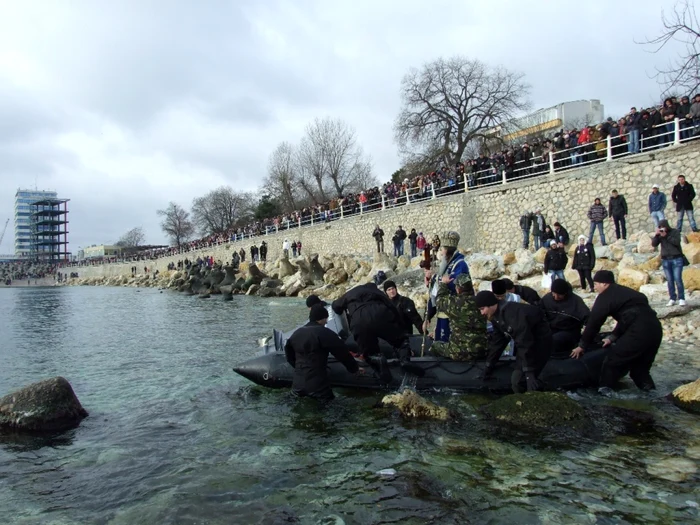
[
  {"x": 687, "y": 397},
  {"x": 538, "y": 410},
  {"x": 412, "y": 405},
  {"x": 49, "y": 405}
]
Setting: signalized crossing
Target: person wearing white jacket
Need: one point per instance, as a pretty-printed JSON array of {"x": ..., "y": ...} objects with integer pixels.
[{"x": 285, "y": 248}]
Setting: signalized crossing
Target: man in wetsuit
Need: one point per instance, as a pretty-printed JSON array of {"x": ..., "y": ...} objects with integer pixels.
[
  {"x": 371, "y": 317},
  {"x": 406, "y": 307},
  {"x": 307, "y": 351},
  {"x": 335, "y": 323},
  {"x": 635, "y": 339},
  {"x": 527, "y": 294},
  {"x": 566, "y": 314},
  {"x": 525, "y": 324}
]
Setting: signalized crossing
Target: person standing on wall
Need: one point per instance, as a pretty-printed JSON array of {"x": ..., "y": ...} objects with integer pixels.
[
  {"x": 584, "y": 262},
  {"x": 597, "y": 214},
  {"x": 683, "y": 195},
  {"x": 378, "y": 235},
  {"x": 413, "y": 238},
  {"x": 538, "y": 225},
  {"x": 657, "y": 205},
  {"x": 672, "y": 260},
  {"x": 525, "y": 225},
  {"x": 617, "y": 210}
]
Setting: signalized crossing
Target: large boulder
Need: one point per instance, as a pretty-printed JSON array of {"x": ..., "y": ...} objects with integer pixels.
[
  {"x": 631, "y": 278},
  {"x": 687, "y": 397},
  {"x": 335, "y": 276},
  {"x": 524, "y": 266},
  {"x": 316, "y": 270},
  {"x": 655, "y": 292},
  {"x": 252, "y": 289},
  {"x": 603, "y": 252},
  {"x": 644, "y": 244},
  {"x": 384, "y": 262},
  {"x": 255, "y": 275},
  {"x": 414, "y": 406},
  {"x": 403, "y": 262},
  {"x": 510, "y": 258},
  {"x": 692, "y": 252},
  {"x": 482, "y": 266},
  {"x": 538, "y": 410},
  {"x": 49, "y": 405},
  {"x": 693, "y": 238},
  {"x": 229, "y": 278},
  {"x": 285, "y": 268},
  {"x": 540, "y": 255},
  {"x": 691, "y": 278}
]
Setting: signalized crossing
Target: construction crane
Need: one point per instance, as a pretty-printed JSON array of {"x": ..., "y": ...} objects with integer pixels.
[{"x": 2, "y": 235}]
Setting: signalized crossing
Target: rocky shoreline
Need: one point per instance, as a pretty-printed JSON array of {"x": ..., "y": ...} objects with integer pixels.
[{"x": 634, "y": 263}]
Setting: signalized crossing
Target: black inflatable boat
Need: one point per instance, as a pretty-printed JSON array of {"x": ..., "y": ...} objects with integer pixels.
[{"x": 270, "y": 368}]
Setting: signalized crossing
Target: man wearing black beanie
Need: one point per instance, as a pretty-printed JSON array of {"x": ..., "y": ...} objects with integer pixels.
[
  {"x": 406, "y": 307},
  {"x": 566, "y": 314},
  {"x": 525, "y": 324},
  {"x": 635, "y": 339},
  {"x": 307, "y": 351},
  {"x": 527, "y": 294}
]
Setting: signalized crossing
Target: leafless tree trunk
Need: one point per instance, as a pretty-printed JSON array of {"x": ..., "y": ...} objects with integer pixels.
[
  {"x": 282, "y": 182},
  {"x": 176, "y": 223},
  {"x": 681, "y": 27},
  {"x": 311, "y": 165},
  {"x": 449, "y": 103},
  {"x": 219, "y": 209},
  {"x": 132, "y": 238}
]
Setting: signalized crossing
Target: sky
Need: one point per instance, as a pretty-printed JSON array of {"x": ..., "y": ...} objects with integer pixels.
[{"x": 124, "y": 106}]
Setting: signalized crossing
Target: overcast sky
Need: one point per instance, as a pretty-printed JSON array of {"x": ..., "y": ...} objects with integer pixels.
[{"x": 125, "y": 105}]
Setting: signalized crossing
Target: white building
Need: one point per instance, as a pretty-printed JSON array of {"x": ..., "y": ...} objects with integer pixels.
[{"x": 566, "y": 115}]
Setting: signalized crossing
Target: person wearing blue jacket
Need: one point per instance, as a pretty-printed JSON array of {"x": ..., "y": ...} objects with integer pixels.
[
  {"x": 452, "y": 264},
  {"x": 657, "y": 205}
]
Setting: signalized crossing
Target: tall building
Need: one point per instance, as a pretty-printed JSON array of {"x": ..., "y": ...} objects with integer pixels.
[
  {"x": 40, "y": 225},
  {"x": 23, "y": 218}
]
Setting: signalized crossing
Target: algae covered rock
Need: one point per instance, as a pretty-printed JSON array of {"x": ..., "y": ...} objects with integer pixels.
[
  {"x": 687, "y": 397},
  {"x": 412, "y": 405},
  {"x": 537, "y": 409},
  {"x": 49, "y": 405}
]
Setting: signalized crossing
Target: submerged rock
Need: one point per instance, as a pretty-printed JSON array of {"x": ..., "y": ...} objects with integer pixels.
[
  {"x": 48, "y": 405},
  {"x": 687, "y": 397},
  {"x": 538, "y": 410},
  {"x": 412, "y": 405},
  {"x": 673, "y": 469}
]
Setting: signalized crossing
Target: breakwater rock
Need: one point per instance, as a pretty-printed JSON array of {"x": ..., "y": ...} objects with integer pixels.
[{"x": 49, "y": 405}]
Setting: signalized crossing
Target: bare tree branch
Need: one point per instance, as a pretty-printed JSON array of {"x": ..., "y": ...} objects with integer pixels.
[
  {"x": 681, "y": 28},
  {"x": 131, "y": 239},
  {"x": 220, "y": 209},
  {"x": 282, "y": 181}
]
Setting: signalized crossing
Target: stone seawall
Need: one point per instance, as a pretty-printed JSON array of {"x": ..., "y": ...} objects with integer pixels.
[{"x": 487, "y": 219}]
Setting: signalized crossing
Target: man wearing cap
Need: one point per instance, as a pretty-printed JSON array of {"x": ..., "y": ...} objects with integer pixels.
[
  {"x": 307, "y": 351},
  {"x": 335, "y": 322},
  {"x": 468, "y": 338},
  {"x": 527, "y": 294},
  {"x": 635, "y": 340},
  {"x": 527, "y": 327},
  {"x": 498, "y": 287},
  {"x": 452, "y": 264},
  {"x": 657, "y": 204},
  {"x": 555, "y": 260},
  {"x": 566, "y": 314},
  {"x": 406, "y": 307}
]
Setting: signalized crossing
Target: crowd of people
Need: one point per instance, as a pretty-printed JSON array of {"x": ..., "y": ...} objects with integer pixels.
[{"x": 25, "y": 270}]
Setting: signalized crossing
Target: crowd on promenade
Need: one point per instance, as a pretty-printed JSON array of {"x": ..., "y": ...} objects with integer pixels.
[
  {"x": 24, "y": 271},
  {"x": 636, "y": 132}
]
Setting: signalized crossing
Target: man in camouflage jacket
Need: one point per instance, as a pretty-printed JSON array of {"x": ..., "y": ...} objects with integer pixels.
[{"x": 468, "y": 340}]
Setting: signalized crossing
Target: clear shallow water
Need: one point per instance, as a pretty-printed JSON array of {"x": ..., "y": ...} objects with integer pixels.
[{"x": 175, "y": 437}]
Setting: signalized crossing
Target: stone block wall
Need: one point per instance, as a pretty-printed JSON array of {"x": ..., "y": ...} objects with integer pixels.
[{"x": 487, "y": 219}]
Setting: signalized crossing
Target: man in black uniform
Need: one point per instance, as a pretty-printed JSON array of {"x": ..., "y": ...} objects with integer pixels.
[
  {"x": 307, "y": 351},
  {"x": 527, "y": 294},
  {"x": 634, "y": 341},
  {"x": 526, "y": 325},
  {"x": 566, "y": 314},
  {"x": 406, "y": 307},
  {"x": 371, "y": 317}
]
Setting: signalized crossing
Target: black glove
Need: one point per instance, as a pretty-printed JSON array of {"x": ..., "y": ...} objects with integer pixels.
[
  {"x": 532, "y": 383},
  {"x": 487, "y": 374}
]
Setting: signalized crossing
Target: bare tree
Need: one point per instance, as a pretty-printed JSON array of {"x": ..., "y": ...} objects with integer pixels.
[
  {"x": 220, "y": 209},
  {"x": 311, "y": 167},
  {"x": 344, "y": 163},
  {"x": 131, "y": 239},
  {"x": 449, "y": 103},
  {"x": 282, "y": 181},
  {"x": 681, "y": 27},
  {"x": 176, "y": 223}
]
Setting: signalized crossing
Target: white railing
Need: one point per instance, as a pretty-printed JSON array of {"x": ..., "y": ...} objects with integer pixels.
[{"x": 506, "y": 171}]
